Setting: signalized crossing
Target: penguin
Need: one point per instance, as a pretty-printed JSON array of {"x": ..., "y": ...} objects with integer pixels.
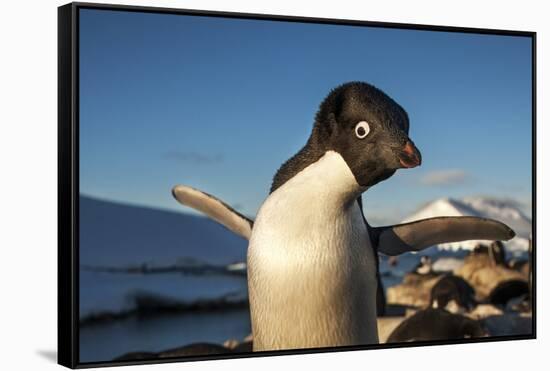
[
  {"x": 312, "y": 256},
  {"x": 508, "y": 290},
  {"x": 453, "y": 289},
  {"x": 495, "y": 251},
  {"x": 425, "y": 266},
  {"x": 436, "y": 324}
]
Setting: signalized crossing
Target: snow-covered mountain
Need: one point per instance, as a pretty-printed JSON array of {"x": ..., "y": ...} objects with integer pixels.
[
  {"x": 117, "y": 235},
  {"x": 505, "y": 211},
  {"x": 116, "y": 239}
]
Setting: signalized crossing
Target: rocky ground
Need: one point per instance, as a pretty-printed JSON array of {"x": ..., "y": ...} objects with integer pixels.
[{"x": 483, "y": 296}]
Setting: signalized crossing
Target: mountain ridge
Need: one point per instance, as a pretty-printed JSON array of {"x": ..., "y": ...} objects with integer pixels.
[{"x": 505, "y": 211}]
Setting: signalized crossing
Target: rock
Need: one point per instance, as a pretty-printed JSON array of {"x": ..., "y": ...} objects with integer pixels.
[
  {"x": 244, "y": 347},
  {"x": 396, "y": 310},
  {"x": 447, "y": 265},
  {"x": 508, "y": 324},
  {"x": 483, "y": 311},
  {"x": 136, "y": 356},
  {"x": 196, "y": 349},
  {"x": 484, "y": 275},
  {"x": 414, "y": 291}
]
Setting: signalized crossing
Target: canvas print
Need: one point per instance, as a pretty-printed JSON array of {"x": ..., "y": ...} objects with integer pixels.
[{"x": 253, "y": 186}]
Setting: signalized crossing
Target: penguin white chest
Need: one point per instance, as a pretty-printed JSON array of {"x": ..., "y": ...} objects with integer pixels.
[{"x": 311, "y": 266}]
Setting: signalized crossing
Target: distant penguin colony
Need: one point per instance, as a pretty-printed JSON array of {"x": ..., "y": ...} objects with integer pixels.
[{"x": 312, "y": 256}]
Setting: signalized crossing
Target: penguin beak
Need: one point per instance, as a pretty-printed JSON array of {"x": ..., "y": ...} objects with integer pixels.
[{"x": 409, "y": 156}]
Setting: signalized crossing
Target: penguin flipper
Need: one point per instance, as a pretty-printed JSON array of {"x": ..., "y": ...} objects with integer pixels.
[
  {"x": 214, "y": 208},
  {"x": 418, "y": 235}
]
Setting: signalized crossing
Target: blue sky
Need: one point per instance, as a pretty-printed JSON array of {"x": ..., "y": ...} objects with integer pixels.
[{"x": 220, "y": 104}]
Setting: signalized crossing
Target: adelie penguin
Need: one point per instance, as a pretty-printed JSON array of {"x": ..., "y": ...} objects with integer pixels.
[{"x": 312, "y": 255}]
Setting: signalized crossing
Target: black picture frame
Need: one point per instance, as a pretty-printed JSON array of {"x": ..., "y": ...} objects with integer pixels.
[{"x": 68, "y": 177}]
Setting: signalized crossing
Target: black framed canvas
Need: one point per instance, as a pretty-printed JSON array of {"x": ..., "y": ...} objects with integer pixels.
[{"x": 240, "y": 185}]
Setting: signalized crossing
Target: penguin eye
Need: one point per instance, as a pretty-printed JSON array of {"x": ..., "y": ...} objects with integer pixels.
[{"x": 362, "y": 129}]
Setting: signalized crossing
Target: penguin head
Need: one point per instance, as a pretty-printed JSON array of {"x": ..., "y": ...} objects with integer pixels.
[{"x": 368, "y": 129}]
